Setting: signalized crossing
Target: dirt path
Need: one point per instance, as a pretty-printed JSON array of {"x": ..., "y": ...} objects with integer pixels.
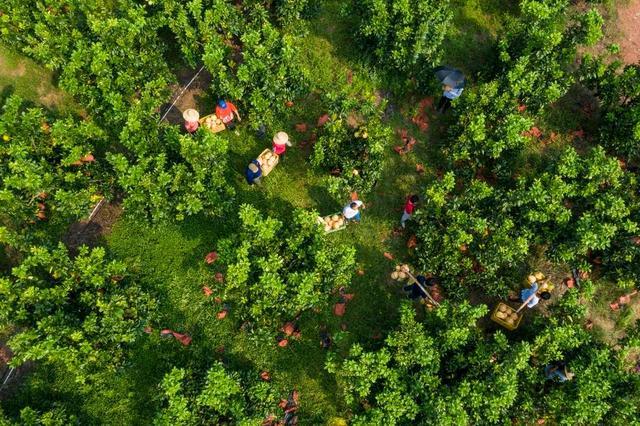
[{"x": 629, "y": 26}]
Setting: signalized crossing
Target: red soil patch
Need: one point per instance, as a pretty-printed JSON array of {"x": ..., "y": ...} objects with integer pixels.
[{"x": 629, "y": 24}]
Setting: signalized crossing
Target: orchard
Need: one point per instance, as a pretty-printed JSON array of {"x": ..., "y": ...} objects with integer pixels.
[{"x": 375, "y": 212}]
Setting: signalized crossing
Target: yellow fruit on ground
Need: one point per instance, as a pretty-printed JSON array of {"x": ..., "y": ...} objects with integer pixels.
[
  {"x": 327, "y": 228},
  {"x": 539, "y": 276},
  {"x": 394, "y": 275},
  {"x": 531, "y": 279},
  {"x": 6, "y": 138}
]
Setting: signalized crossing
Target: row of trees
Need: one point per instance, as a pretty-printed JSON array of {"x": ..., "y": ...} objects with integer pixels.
[
  {"x": 83, "y": 313},
  {"x": 444, "y": 371}
]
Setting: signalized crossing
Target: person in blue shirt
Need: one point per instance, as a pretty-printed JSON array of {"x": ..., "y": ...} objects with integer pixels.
[
  {"x": 448, "y": 95},
  {"x": 415, "y": 292},
  {"x": 533, "y": 291},
  {"x": 253, "y": 173},
  {"x": 558, "y": 371}
]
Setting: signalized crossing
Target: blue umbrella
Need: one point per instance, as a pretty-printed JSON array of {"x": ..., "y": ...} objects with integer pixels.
[{"x": 450, "y": 77}]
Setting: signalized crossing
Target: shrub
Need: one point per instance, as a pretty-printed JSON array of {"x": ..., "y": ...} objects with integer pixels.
[
  {"x": 182, "y": 176},
  {"x": 276, "y": 270},
  {"x": 401, "y": 35},
  {"x": 351, "y": 146},
  {"x": 444, "y": 371},
  {"x": 45, "y": 184},
  {"x": 222, "y": 397},
  {"x": 81, "y": 313}
]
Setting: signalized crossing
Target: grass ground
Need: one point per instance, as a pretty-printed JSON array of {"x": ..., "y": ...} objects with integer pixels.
[
  {"x": 169, "y": 257},
  {"x": 32, "y": 82}
]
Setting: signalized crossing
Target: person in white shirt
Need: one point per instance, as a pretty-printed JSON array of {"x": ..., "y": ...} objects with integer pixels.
[{"x": 351, "y": 211}]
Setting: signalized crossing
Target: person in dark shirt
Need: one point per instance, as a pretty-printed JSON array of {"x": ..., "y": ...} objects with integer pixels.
[
  {"x": 253, "y": 173},
  {"x": 415, "y": 292}
]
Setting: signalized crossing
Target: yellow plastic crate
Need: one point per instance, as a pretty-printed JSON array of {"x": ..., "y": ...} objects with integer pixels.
[
  {"x": 215, "y": 128},
  {"x": 502, "y": 322},
  {"x": 266, "y": 168},
  {"x": 321, "y": 222}
]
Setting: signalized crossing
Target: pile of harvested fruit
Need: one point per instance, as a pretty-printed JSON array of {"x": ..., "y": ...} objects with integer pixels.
[
  {"x": 399, "y": 274},
  {"x": 541, "y": 279},
  {"x": 506, "y": 316},
  {"x": 332, "y": 222},
  {"x": 268, "y": 160}
]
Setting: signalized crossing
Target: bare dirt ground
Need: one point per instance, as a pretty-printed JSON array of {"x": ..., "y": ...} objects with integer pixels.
[
  {"x": 89, "y": 233},
  {"x": 629, "y": 26},
  {"x": 193, "y": 97}
]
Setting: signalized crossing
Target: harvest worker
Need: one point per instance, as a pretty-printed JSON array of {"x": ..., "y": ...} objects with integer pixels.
[
  {"x": 225, "y": 111},
  {"x": 409, "y": 207},
  {"x": 351, "y": 211},
  {"x": 191, "y": 117},
  {"x": 531, "y": 294},
  {"x": 253, "y": 173},
  {"x": 414, "y": 289},
  {"x": 450, "y": 93},
  {"x": 280, "y": 144},
  {"x": 558, "y": 371}
]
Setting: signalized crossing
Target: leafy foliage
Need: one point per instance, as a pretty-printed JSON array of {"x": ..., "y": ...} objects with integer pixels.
[
  {"x": 223, "y": 397},
  {"x": 251, "y": 59},
  {"x": 475, "y": 233},
  {"x": 277, "y": 270},
  {"x": 535, "y": 57},
  {"x": 452, "y": 374},
  {"x": 351, "y": 146},
  {"x": 183, "y": 176},
  {"x": 538, "y": 49},
  {"x": 45, "y": 185},
  {"x": 617, "y": 88},
  {"x": 81, "y": 312},
  {"x": 108, "y": 54},
  {"x": 402, "y": 35}
]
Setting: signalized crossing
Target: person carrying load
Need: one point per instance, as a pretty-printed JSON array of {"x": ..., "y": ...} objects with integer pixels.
[
  {"x": 253, "y": 173},
  {"x": 225, "y": 111},
  {"x": 351, "y": 211},
  {"x": 280, "y": 144},
  {"x": 531, "y": 295}
]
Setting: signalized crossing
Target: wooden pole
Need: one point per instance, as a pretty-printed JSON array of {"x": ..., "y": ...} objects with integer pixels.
[
  {"x": 525, "y": 303},
  {"x": 431, "y": 299}
]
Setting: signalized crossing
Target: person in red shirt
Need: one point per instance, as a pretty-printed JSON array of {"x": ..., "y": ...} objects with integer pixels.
[
  {"x": 280, "y": 143},
  {"x": 409, "y": 207},
  {"x": 225, "y": 111}
]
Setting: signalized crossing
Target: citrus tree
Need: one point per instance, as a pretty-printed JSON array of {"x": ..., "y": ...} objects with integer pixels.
[
  {"x": 49, "y": 175},
  {"x": 466, "y": 238},
  {"x": 579, "y": 208},
  {"x": 536, "y": 54},
  {"x": 617, "y": 88},
  {"x": 221, "y": 397},
  {"x": 251, "y": 51},
  {"x": 351, "y": 145},
  {"x": 538, "y": 49},
  {"x": 181, "y": 175},
  {"x": 446, "y": 371},
  {"x": 401, "y": 35},
  {"x": 80, "y": 313},
  {"x": 275, "y": 269}
]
